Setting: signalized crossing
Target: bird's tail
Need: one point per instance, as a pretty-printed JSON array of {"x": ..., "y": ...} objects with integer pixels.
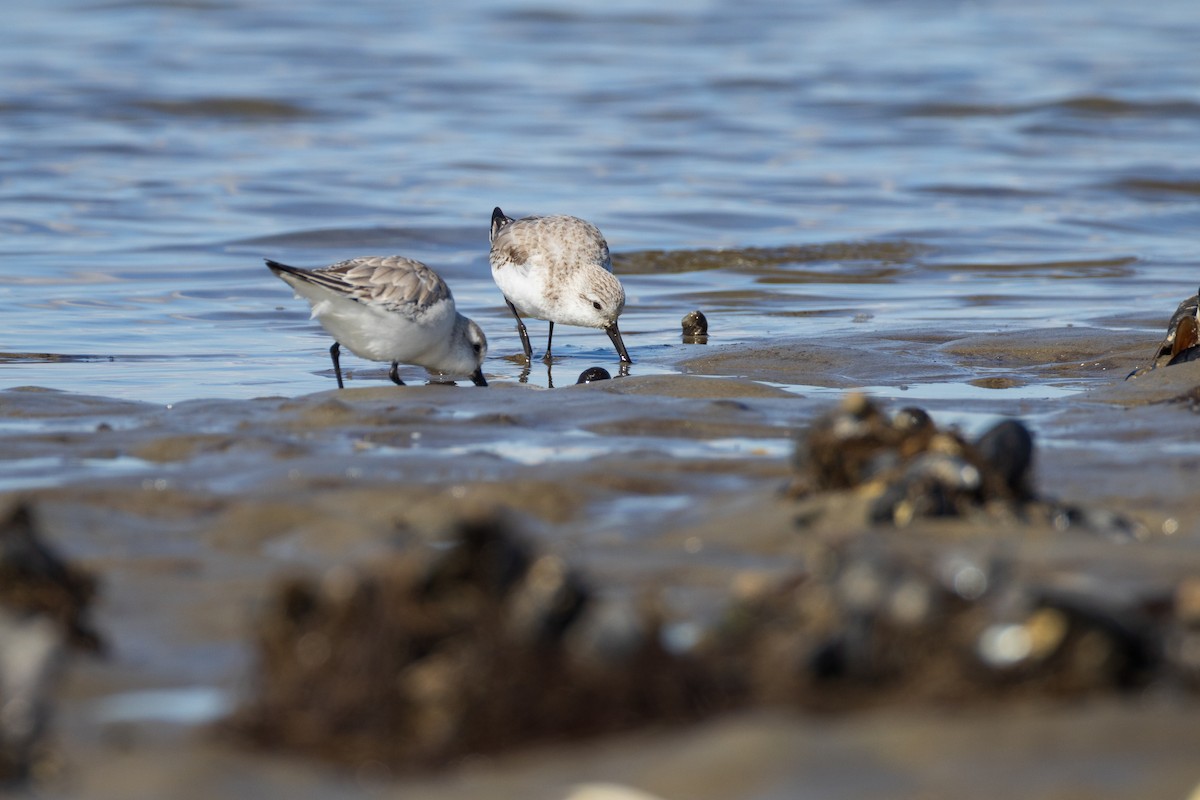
[
  {"x": 498, "y": 222},
  {"x": 278, "y": 268}
]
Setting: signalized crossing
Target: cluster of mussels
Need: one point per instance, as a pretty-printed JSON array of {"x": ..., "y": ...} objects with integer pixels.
[
  {"x": 1182, "y": 342},
  {"x": 900, "y": 468},
  {"x": 44, "y": 608},
  {"x": 908, "y": 468},
  {"x": 487, "y": 645},
  {"x": 870, "y": 622}
]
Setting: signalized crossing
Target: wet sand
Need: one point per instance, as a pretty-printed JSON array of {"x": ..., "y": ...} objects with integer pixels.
[{"x": 670, "y": 483}]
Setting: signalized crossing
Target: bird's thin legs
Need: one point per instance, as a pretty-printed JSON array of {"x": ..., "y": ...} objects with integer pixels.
[
  {"x": 521, "y": 330},
  {"x": 394, "y": 373},
  {"x": 549, "y": 339},
  {"x": 334, "y": 352}
]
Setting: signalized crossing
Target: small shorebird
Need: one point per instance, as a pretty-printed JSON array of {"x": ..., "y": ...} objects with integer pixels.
[
  {"x": 390, "y": 308},
  {"x": 558, "y": 269}
]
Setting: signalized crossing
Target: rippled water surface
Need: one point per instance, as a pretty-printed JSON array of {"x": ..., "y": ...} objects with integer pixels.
[
  {"x": 906, "y": 195},
  {"x": 812, "y": 168}
]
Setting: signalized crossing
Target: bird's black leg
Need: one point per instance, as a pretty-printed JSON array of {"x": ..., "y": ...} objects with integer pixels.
[
  {"x": 521, "y": 330},
  {"x": 394, "y": 373},
  {"x": 549, "y": 339},
  {"x": 337, "y": 367}
]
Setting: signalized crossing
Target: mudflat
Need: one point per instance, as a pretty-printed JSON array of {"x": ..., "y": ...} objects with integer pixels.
[{"x": 671, "y": 486}]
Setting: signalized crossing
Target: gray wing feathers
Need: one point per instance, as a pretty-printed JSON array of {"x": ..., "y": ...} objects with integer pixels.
[
  {"x": 391, "y": 281},
  {"x": 555, "y": 239}
]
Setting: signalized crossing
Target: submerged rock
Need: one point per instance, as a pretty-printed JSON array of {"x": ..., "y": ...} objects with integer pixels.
[{"x": 44, "y": 605}]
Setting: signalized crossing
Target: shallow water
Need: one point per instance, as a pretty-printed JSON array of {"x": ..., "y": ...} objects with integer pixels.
[
  {"x": 969, "y": 166},
  {"x": 987, "y": 209}
]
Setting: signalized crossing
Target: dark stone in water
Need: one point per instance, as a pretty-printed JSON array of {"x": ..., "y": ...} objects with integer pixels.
[
  {"x": 695, "y": 328},
  {"x": 592, "y": 374}
]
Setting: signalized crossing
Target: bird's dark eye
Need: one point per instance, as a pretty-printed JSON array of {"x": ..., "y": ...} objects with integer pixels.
[
  {"x": 596, "y": 305},
  {"x": 477, "y": 346}
]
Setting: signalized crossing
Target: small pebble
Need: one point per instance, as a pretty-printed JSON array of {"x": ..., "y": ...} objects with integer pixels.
[
  {"x": 592, "y": 374},
  {"x": 695, "y": 328}
]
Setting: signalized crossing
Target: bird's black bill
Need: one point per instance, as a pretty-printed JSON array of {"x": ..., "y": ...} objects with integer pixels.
[
  {"x": 615, "y": 334},
  {"x": 478, "y": 379}
]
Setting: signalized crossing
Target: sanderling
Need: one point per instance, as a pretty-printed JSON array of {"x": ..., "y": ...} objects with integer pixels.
[
  {"x": 390, "y": 308},
  {"x": 557, "y": 269}
]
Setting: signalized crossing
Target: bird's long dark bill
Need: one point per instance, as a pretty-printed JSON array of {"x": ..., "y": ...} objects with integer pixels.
[
  {"x": 615, "y": 334},
  {"x": 478, "y": 378}
]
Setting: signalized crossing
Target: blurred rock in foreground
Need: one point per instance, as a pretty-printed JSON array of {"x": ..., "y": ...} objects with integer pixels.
[
  {"x": 419, "y": 659},
  {"x": 862, "y": 467},
  {"x": 44, "y": 605},
  {"x": 427, "y": 656}
]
